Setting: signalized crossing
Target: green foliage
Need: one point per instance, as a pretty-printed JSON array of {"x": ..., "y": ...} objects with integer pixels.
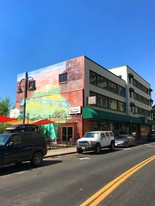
[
  {"x": 3, "y": 127},
  {"x": 5, "y": 106},
  {"x": 42, "y": 129}
]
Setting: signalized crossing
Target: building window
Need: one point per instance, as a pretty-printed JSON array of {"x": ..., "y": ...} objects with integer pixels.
[
  {"x": 121, "y": 106},
  {"x": 108, "y": 103},
  {"x": 143, "y": 112},
  {"x": 121, "y": 91},
  {"x": 102, "y": 101},
  {"x": 99, "y": 81},
  {"x": 112, "y": 104},
  {"x": 131, "y": 109},
  {"x": 112, "y": 87},
  {"x": 63, "y": 77},
  {"x": 99, "y": 100},
  {"x": 140, "y": 98},
  {"x": 102, "y": 82},
  {"x": 93, "y": 78},
  {"x": 105, "y": 101},
  {"x": 140, "y": 86}
]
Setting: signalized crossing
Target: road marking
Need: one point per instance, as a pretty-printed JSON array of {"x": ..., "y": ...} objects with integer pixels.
[
  {"x": 100, "y": 195},
  {"x": 126, "y": 149},
  {"x": 84, "y": 158}
]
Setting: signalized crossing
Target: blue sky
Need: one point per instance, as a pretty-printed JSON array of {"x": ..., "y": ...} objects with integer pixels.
[{"x": 38, "y": 33}]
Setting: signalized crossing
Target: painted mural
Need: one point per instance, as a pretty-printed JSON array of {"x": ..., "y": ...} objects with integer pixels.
[{"x": 52, "y": 99}]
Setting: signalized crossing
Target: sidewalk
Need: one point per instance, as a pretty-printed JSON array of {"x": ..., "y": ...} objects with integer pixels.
[
  {"x": 72, "y": 149},
  {"x": 60, "y": 151}
]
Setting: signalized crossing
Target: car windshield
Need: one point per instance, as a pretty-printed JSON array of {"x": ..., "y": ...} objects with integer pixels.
[
  {"x": 91, "y": 135},
  {"x": 121, "y": 137},
  {"x": 3, "y": 138}
]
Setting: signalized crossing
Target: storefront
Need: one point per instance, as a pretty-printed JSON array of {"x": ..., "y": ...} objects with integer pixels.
[{"x": 103, "y": 120}]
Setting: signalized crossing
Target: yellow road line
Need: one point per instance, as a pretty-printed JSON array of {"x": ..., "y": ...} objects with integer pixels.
[{"x": 99, "y": 196}]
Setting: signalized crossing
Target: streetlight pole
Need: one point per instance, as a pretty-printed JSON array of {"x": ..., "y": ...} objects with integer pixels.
[
  {"x": 29, "y": 85},
  {"x": 25, "y": 96}
]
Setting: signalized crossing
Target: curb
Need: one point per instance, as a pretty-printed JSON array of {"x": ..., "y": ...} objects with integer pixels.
[{"x": 59, "y": 154}]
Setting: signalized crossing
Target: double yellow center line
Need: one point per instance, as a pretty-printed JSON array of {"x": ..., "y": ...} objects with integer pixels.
[{"x": 99, "y": 196}]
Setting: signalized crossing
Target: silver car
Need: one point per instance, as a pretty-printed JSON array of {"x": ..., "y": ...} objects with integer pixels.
[{"x": 125, "y": 140}]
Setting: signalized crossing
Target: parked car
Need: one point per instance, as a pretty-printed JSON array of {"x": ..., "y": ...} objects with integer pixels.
[
  {"x": 125, "y": 140},
  {"x": 96, "y": 140},
  {"x": 16, "y": 147},
  {"x": 151, "y": 136},
  {"x": 22, "y": 128}
]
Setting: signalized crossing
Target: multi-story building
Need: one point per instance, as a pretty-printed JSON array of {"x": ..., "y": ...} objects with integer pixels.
[
  {"x": 138, "y": 98},
  {"x": 79, "y": 95}
]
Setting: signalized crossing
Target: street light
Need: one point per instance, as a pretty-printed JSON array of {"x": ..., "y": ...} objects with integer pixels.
[{"x": 29, "y": 85}]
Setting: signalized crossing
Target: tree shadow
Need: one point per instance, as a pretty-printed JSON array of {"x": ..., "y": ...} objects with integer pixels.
[{"x": 25, "y": 166}]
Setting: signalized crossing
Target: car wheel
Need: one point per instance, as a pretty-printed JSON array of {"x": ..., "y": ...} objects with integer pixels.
[
  {"x": 112, "y": 146},
  {"x": 97, "y": 149},
  {"x": 79, "y": 150},
  {"x": 37, "y": 159},
  {"x": 126, "y": 145}
]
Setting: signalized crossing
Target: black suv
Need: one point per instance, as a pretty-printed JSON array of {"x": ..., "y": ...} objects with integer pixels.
[
  {"x": 22, "y": 128},
  {"x": 18, "y": 145}
]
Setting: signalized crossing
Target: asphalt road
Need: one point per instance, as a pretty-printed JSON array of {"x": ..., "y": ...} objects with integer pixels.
[{"x": 71, "y": 180}]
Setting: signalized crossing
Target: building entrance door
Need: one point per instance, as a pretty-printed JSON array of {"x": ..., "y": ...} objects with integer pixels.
[{"x": 67, "y": 134}]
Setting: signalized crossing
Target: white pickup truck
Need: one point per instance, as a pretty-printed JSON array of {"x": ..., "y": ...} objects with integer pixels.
[{"x": 96, "y": 140}]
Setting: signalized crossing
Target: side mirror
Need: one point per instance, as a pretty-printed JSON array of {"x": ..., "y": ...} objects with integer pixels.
[{"x": 10, "y": 144}]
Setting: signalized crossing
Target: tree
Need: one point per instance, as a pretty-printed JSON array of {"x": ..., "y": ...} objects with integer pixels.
[
  {"x": 5, "y": 106},
  {"x": 3, "y": 127}
]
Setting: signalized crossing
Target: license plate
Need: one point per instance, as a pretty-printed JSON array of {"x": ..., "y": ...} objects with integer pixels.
[{"x": 83, "y": 148}]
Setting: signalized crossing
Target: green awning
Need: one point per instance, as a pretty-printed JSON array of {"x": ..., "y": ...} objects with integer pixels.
[
  {"x": 88, "y": 113},
  {"x": 130, "y": 75},
  {"x": 150, "y": 90},
  {"x": 131, "y": 89},
  {"x": 147, "y": 121},
  {"x": 132, "y": 104},
  {"x": 151, "y": 122}
]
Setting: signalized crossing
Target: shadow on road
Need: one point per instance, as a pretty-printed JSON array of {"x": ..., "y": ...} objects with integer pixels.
[
  {"x": 25, "y": 166},
  {"x": 103, "y": 152}
]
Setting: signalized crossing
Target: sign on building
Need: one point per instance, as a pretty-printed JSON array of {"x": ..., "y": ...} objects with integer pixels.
[
  {"x": 92, "y": 100},
  {"x": 74, "y": 110}
]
